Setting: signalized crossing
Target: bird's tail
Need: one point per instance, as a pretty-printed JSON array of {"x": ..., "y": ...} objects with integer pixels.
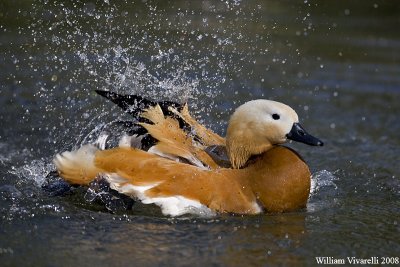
[{"x": 77, "y": 167}]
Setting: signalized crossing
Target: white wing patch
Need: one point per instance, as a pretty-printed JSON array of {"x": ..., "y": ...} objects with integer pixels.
[
  {"x": 119, "y": 184},
  {"x": 134, "y": 141},
  {"x": 173, "y": 205},
  {"x": 257, "y": 207},
  {"x": 178, "y": 205}
]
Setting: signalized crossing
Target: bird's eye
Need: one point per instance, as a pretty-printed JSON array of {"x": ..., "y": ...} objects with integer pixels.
[{"x": 276, "y": 116}]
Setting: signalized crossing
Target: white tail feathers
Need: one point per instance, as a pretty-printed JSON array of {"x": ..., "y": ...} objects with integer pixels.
[{"x": 77, "y": 167}]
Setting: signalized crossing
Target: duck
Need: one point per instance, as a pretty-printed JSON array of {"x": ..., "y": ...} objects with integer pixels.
[{"x": 171, "y": 160}]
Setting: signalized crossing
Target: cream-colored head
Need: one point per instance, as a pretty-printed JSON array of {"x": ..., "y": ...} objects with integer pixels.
[{"x": 256, "y": 126}]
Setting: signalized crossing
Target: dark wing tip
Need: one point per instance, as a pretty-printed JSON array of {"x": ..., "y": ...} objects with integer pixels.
[
  {"x": 103, "y": 93},
  {"x": 132, "y": 104}
]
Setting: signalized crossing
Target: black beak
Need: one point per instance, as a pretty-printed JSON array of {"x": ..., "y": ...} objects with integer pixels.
[{"x": 297, "y": 133}]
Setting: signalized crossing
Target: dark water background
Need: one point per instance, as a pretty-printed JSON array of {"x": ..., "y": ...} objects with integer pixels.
[{"x": 336, "y": 62}]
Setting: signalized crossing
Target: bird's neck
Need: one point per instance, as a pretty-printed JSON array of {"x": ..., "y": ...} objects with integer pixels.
[{"x": 240, "y": 149}]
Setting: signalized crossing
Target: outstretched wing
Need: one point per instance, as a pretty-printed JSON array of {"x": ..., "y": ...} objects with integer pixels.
[
  {"x": 177, "y": 135},
  {"x": 173, "y": 142}
]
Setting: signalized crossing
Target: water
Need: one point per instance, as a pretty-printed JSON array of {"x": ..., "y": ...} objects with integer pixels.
[{"x": 336, "y": 63}]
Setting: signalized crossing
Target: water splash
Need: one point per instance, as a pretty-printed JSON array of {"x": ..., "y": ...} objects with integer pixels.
[
  {"x": 154, "y": 50},
  {"x": 35, "y": 171},
  {"x": 22, "y": 197},
  {"x": 321, "y": 181},
  {"x": 324, "y": 190},
  {"x": 3, "y": 157},
  {"x": 157, "y": 50}
]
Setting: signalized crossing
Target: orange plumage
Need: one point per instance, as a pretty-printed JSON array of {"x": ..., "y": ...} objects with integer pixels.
[{"x": 178, "y": 174}]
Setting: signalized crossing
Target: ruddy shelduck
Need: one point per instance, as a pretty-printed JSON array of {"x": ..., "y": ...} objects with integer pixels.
[{"x": 178, "y": 164}]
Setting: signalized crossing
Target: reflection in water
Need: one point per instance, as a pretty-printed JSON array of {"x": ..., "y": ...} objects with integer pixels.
[
  {"x": 280, "y": 235},
  {"x": 237, "y": 239}
]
